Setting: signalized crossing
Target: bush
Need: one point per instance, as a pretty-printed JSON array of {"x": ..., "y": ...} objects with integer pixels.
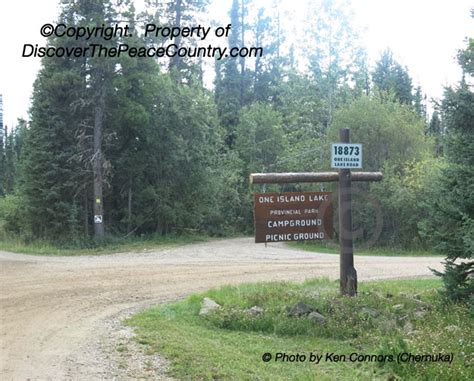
[
  {"x": 400, "y": 195},
  {"x": 393, "y": 142},
  {"x": 451, "y": 224},
  {"x": 11, "y": 215}
]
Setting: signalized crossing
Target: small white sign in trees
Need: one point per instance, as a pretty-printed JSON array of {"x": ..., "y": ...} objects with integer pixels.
[{"x": 346, "y": 155}]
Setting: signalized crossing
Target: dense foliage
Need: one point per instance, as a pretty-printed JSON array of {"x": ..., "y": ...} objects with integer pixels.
[{"x": 450, "y": 226}]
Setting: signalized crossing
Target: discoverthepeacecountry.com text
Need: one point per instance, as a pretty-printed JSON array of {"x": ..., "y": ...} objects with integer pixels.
[{"x": 164, "y": 42}]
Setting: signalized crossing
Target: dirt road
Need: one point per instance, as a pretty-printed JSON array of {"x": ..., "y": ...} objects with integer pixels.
[{"x": 60, "y": 316}]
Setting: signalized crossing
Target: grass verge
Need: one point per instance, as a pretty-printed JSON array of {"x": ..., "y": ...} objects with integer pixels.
[
  {"x": 108, "y": 245},
  {"x": 333, "y": 248},
  {"x": 387, "y": 318}
]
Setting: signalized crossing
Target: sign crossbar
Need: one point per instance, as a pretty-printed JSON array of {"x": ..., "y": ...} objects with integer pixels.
[{"x": 310, "y": 177}]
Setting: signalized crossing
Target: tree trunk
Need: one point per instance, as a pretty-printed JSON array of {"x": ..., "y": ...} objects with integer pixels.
[
  {"x": 129, "y": 207},
  {"x": 242, "y": 59},
  {"x": 175, "y": 62},
  {"x": 98, "y": 160},
  {"x": 86, "y": 214},
  {"x": 258, "y": 42}
]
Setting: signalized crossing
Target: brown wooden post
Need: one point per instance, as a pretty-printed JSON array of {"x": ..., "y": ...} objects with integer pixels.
[{"x": 348, "y": 274}]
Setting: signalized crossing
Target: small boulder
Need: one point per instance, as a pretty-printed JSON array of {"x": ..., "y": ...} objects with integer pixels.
[
  {"x": 408, "y": 327},
  {"x": 317, "y": 318},
  {"x": 207, "y": 306},
  {"x": 300, "y": 309},
  {"x": 420, "y": 303},
  {"x": 255, "y": 311},
  {"x": 419, "y": 314},
  {"x": 388, "y": 325},
  {"x": 452, "y": 328},
  {"x": 369, "y": 311}
]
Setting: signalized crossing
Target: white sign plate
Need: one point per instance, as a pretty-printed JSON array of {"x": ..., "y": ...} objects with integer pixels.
[
  {"x": 346, "y": 155},
  {"x": 98, "y": 219}
]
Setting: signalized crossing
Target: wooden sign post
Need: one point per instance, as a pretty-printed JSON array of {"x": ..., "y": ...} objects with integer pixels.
[{"x": 348, "y": 273}]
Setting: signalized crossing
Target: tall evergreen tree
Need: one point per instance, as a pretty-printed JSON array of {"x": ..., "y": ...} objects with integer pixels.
[
  {"x": 335, "y": 55},
  {"x": 419, "y": 103},
  {"x": 2, "y": 148},
  {"x": 228, "y": 80},
  {"x": 270, "y": 68},
  {"x": 451, "y": 224},
  {"x": 9, "y": 172},
  {"x": 391, "y": 77},
  {"x": 180, "y": 13},
  {"x": 48, "y": 164},
  {"x": 435, "y": 129},
  {"x": 2, "y": 160},
  {"x": 68, "y": 114},
  {"x": 130, "y": 114}
]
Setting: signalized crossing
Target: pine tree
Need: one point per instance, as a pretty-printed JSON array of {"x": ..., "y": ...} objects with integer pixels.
[
  {"x": 435, "y": 130},
  {"x": 48, "y": 164},
  {"x": 335, "y": 53},
  {"x": 451, "y": 224},
  {"x": 129, "y": 123},
  {"x": 68, "y": 114},
  {"x": 228, "y": 80},
  {"x": 180, "y": 13},
  {"x": 11, "y": 159},
  {"x": 391, "y": 77},
  {"x": 268, "y": 69},
  {"x": 418, "y": 103},
  {"x": 2, "y": 162},
  {"x": 2, "y": 149}
]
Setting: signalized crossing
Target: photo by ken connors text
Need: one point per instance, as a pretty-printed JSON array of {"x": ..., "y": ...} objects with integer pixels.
[{"x": 332, "y": 357}]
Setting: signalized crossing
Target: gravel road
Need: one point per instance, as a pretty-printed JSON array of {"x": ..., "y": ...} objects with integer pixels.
[{"x": 60, "y": 317}]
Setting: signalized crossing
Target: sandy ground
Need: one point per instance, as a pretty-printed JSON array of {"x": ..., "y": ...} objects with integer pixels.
[{"x": 60, "y": 317}]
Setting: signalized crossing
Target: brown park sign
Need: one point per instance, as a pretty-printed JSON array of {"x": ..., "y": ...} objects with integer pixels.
[{"x": 292, "y": 216}]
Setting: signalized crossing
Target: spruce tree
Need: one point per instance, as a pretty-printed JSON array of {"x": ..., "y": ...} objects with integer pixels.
[
  {"x": 435, "y": 129},
  {"x": 180, "y": 14},
  {"x": 451, "y": 224},
  {"x": 390, "y": 76},
  {"x": 335, "y": 54},
  {"x": 67, "y": 122},
  {"x": 49, "y": 164},
  {"x": 228, "y": 80},
  {"x": 269, "y": 69}
]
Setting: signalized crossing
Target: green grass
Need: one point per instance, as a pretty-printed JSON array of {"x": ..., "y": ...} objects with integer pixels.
[
  {"x": 333, "y": 248},
  {"x": 107, "y": 246},
  {"x": 385, "y": 319}
]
